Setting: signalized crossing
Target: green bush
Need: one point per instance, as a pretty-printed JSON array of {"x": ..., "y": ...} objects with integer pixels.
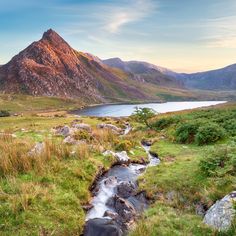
[
  {"x": 219, "y": 160},
  {"x": 164, "y": 123},
  {"x": 213, "y": 160},
  {"x": 185, "y": 132},
  {"x": 209, "y": 133},
  {"x": 4, "y": 113},
  {"x": 82, "y": 135},
  {"x": 124, "y": 145},
  {"x": 143, "y": 115}
]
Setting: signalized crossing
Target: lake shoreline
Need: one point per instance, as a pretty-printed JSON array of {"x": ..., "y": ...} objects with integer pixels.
[{"x": 126, "y": 109}]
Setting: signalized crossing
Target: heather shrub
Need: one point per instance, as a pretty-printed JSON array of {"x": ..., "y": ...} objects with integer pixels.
[
  {"x": 209, "y": 133},
  {"x": 219, "y": 160},
  {"x": 185, "y": 132}
]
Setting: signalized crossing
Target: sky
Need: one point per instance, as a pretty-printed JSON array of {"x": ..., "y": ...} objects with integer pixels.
[{"x": 182, "y": 35}]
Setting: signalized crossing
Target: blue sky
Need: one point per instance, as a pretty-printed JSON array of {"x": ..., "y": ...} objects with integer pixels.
[{"x": 183, "y": 35}]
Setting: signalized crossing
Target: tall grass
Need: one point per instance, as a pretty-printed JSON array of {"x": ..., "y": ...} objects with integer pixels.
[{"x": 15, "y": 157}]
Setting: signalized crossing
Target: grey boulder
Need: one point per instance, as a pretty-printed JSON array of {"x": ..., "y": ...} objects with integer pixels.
[{"x": 221, "y": 214}]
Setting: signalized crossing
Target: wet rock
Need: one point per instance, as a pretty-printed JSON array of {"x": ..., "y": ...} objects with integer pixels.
[
  {"x": 111, "y": 127},
  {"x": 222, "y": 213},
  {"x": 126, "y": 189},
  {"x": 87, "y": 207},
  {"x": 112, "y": 215},
  {"x": 102, "y": 227},
  {"x": 154, "y": 154},
  {"x": 111, "y": 181},
  {"x": 124, "y": 208},
  {"x": 37, "y": 149},
  {"x": 139, "y": 201},
  {"x": 146, "y": 142},
  {"x": 122, "y": 157}
]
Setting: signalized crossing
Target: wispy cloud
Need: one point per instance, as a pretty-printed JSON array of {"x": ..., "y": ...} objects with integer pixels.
[
  {"x": 221, "y": 32},
  {"x": 134, "y": 10}
]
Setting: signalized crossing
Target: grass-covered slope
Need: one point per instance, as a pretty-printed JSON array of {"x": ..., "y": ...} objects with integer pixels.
[
  {"x": 190, "y": 174},
  {"x": 44, "y": 194},
  {"x": 30, "y": 104}
]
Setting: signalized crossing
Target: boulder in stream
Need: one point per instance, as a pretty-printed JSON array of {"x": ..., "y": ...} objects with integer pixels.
[
  {"x": 111, "y": 214},
  {"x": 124, "y": 208},
  {"x": 126, "y": 189},
  {"x": 102, "y": 227},
  {"x": 122, "y": 157},
  {"x": 146, "y": 142}
]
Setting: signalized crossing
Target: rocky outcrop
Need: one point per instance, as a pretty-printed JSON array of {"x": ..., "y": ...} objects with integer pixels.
[{"x": 222, "y": 213}]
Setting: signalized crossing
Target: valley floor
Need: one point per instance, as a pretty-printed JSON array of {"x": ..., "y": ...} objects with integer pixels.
[{"x": 44, "y": 193}]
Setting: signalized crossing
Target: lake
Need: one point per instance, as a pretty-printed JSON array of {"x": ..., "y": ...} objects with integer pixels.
[{"x": 119, "y": 110}]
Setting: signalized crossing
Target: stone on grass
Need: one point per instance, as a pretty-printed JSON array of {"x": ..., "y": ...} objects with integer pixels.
[
  {"x": 37, "y": 149},
  {"x": 83, "y": 126},
  {"x": 221, "y": 214},
  {"x": 111, "y": 127}
]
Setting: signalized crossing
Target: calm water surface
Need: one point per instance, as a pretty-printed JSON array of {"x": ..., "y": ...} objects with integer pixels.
[{"x": 127, "y": 109}]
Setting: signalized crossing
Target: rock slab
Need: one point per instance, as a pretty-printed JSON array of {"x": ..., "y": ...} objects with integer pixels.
[{"x": 221, "y": 214}]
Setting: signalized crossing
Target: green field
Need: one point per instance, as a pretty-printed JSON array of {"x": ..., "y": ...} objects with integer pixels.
[{"x": 45, "y": 194}]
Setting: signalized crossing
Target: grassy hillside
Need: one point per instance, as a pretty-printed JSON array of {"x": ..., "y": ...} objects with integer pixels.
[
  {"x": 190, "y": 172},
  {"x": 24, "y": 103},
  {"x": 44, "y": 194}
]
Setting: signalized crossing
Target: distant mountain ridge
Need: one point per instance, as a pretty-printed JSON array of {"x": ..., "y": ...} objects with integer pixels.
[
  {"x": 219, "y": 79},
  {"x": 144, "y": 71}
]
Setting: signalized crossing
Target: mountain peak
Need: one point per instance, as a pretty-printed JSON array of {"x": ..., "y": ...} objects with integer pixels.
[{"x": 52, "y": 36}]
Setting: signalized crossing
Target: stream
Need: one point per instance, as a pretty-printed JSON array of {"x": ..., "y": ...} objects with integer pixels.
[{"x": 117, "y": 202}]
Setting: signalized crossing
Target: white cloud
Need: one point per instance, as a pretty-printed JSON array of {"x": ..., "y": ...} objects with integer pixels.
[
  {"x": 135, "y": 10},
  {"x": 221, "y": 32}
]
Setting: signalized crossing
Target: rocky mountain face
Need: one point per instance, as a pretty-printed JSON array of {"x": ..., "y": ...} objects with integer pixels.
[
  {"x": 50, "y": 67},
  {"x": 145, "y": 72}
]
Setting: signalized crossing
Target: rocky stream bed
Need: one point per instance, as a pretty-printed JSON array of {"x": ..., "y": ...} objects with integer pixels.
[{"x": 117, "y": 202}]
